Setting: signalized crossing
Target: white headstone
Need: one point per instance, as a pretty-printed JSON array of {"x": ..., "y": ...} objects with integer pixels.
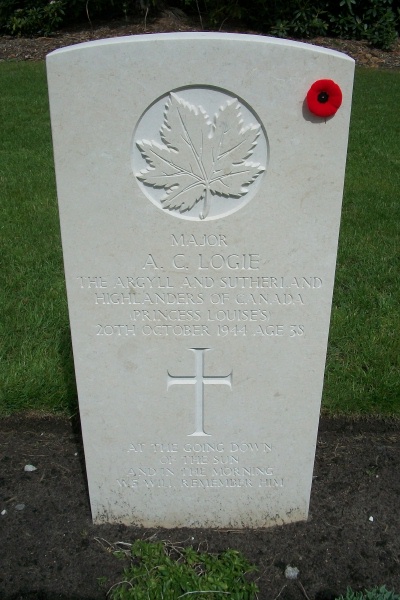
[{"x": 200, "y": 205}]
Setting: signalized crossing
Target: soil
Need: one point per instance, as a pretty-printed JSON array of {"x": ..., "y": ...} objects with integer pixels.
[{"x": 50, "y": 550}]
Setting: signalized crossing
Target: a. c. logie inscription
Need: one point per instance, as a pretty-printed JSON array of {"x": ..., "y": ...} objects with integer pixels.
[{"x": 225, "y": 293}]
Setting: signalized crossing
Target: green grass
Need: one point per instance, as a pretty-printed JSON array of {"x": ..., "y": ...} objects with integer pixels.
[
  {"x": 362, "y": 375},
  {"x": 376, "y": 593},
  {"x": 162, "y": 570},
  {"x": 36, "y": 369}
]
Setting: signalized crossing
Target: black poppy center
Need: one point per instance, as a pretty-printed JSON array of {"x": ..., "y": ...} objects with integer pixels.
[{"x": 323, "y": 97}]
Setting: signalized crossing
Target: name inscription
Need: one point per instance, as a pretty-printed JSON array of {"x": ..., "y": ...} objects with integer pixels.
[{"x": 206, "y": 301}]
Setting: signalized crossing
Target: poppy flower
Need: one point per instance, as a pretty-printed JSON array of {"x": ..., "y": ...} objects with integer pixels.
[{"x": 324, "y": 98}]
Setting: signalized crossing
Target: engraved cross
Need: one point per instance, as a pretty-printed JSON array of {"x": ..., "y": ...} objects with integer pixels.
[{"x": 199, "y": 380}]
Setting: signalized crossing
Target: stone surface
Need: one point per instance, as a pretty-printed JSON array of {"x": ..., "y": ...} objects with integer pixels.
[{"x": 200, "y": 207}]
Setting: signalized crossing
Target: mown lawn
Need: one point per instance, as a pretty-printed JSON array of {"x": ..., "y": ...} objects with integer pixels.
[{"x": 36, "y": 372}]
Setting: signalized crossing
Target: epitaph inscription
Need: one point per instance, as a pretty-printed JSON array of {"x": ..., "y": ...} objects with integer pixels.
[{"x": 202, "y": 465}]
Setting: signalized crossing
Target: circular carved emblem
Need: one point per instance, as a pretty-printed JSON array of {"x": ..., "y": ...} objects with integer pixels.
[{"x": 199, "y": 153}]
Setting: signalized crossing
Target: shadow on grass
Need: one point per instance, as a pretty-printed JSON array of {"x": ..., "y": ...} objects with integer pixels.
[
  {"x": 68, "y": 373},
  {"x": 68, "y": 369}
]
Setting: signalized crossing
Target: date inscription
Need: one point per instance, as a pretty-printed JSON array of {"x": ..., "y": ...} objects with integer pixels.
[{"x": 200, "y": 297}]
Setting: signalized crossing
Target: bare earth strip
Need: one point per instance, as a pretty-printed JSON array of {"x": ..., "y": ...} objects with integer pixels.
[{"x": 49, "y": 548}]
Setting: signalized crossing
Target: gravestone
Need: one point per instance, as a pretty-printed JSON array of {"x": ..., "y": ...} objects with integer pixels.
[{"x": 200, "y": 196}]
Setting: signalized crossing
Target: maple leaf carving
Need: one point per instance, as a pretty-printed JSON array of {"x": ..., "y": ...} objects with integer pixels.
[{"x": 200, "y": 157}]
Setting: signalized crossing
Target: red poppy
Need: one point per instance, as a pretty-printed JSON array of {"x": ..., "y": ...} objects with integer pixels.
[{"x": 324, "y": 98}]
